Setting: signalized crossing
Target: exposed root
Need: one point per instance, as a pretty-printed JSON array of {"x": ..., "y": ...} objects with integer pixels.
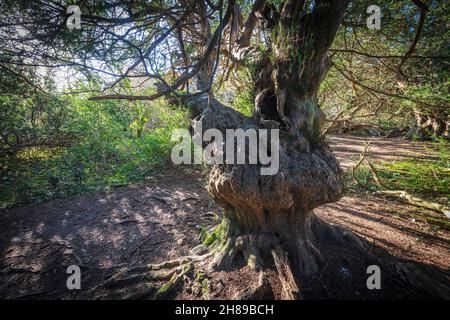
[
  {"x": 251, "y": 252},
  {"x": 225, "y": 253},
  {"x": 120, "y": 279},
  {"x": 171, "y": 263},
  {"x": 294, "y": 261},
  {"x": 200, "y": 285},
  {"x": 145, "y": 279},
  {"x": 200, "y": 249},
  {"x": 117, "y": 284},
  {"x": 289, "y": 286},
  {"x": 174, "y": 281},
  {"x": 228, "y": 244},
  {"x": 177, "y": 262}
]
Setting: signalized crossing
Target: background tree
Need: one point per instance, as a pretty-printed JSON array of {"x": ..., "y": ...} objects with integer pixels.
[
  {"x": 31, "y": 115},
  {"x": 395, "y": 76}
]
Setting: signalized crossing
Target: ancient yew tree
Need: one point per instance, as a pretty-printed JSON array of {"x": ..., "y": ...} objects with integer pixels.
[
  {"x": 181, "y": 46},
  {"x": 270, "y": 215}
]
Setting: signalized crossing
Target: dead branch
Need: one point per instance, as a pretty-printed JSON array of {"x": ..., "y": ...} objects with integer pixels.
[
  {"x": 356, "y": 166},
  {"x": 287, "y": 279},
  {"x": 419, "y": 202}
]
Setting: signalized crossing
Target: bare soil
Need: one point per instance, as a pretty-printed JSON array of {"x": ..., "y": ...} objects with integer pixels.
[{"x": 161, "y": 220}]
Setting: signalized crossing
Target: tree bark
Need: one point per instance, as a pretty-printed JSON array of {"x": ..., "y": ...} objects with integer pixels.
[
  {"x": 430, "y": 123},
  {"x": 263, "y": 213},
  {"x": 266, "y": 215}
]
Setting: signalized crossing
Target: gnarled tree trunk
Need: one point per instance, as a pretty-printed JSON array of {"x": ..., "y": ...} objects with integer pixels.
[{"x": 271, "y": 217}]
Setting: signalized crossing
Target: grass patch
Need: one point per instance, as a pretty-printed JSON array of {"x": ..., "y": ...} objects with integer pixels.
[
  {"x": 427, "y": 179},
  {"x": 440, "y": 222},
  {"x": 430, "y": 178}
]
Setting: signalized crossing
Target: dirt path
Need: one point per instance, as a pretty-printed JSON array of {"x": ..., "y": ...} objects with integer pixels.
[
  {"x": 161, "y": 220},
  {"x": 347, "y": 149}
]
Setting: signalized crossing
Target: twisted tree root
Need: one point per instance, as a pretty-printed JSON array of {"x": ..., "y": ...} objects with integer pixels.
[
  {"x": 259, "y": 251},
  {"x": 176, "y": 278}
]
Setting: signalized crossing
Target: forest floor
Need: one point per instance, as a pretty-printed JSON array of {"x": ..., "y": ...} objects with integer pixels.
[{"x": 161, "y": 220}]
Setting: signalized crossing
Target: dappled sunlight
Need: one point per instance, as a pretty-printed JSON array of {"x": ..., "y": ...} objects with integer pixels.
[
  {"x": 214, "y": 149},
  {"x": 375, "y": 220},
  {"x": 100, "y": 232},
  {"x": 157, "y": 222},
  {"x": 347, "y": 149}
]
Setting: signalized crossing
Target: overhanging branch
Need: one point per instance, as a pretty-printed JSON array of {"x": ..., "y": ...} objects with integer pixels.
[{"x": 423, "y": 12}]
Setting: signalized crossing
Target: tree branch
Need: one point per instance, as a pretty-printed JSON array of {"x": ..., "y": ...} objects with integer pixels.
[
  {"x": 423, "y": 12},
  {"x": 393, "y": 95}
]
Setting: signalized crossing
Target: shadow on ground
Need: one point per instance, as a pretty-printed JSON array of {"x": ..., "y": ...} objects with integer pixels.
[{"x": 161, "y": 220}]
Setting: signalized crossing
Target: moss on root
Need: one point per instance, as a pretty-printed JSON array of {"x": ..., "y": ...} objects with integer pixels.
[
  {"x": 214, "y": 236},
  {"x": 176, "y": 278}
]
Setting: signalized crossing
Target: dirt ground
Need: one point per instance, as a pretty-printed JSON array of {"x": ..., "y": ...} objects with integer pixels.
[{"x": 161, "y": 220}]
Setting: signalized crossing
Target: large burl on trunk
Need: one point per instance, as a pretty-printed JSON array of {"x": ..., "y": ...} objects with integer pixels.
[
  {"x": 269, "y": 217},
  {"x": 266, "y": 212}
]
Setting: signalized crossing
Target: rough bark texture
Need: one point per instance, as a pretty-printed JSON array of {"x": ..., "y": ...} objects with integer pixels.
[
  {"x": 289, "y": 75},
  {"x": 270, "y": 218},
  {"x": 425, "y": 125}
]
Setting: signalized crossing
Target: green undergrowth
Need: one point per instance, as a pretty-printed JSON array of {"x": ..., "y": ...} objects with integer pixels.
[
  {"x": 428, "y": 177},
  {"x": 117, "y": 144}
]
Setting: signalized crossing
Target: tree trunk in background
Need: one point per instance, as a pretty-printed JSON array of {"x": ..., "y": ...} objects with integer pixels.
[
  {"x": 426, "y": 125},
  {"x": 205, "y": 74}
]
